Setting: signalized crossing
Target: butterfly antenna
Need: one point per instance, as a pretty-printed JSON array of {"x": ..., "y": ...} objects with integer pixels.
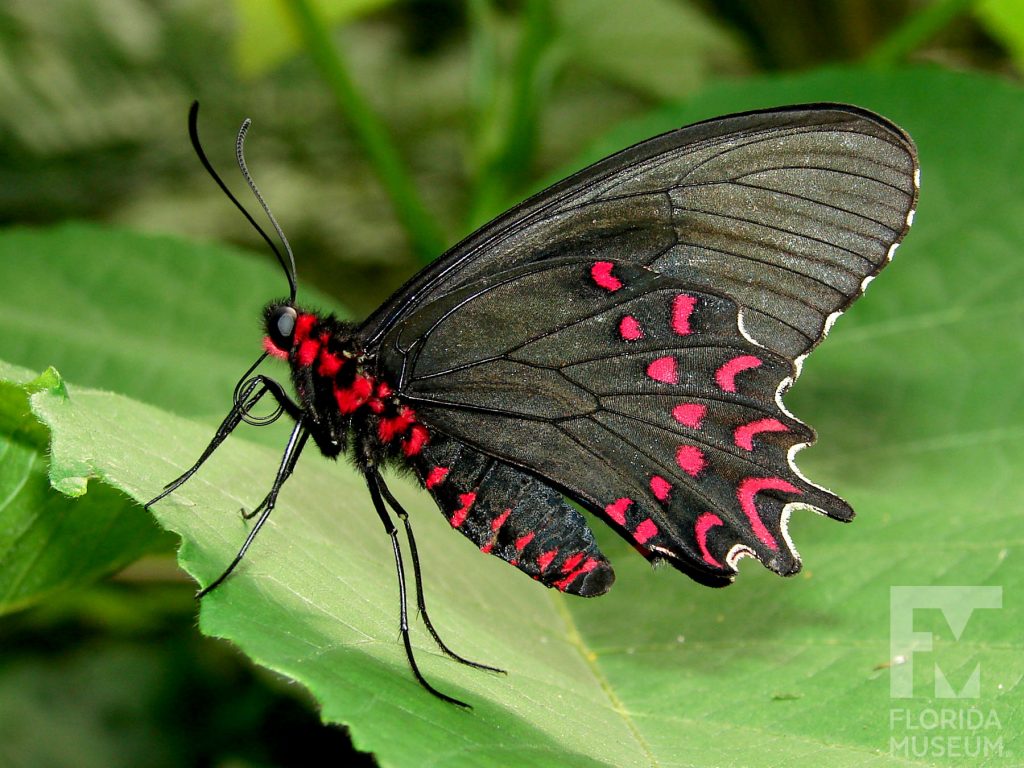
[
  {"x": 240, "y": 155},
  {"x": 193, "y": 132}
]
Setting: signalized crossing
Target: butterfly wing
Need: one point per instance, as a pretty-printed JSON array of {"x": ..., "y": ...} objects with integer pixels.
[
  {"x": 634, "y": 394},
  {"x": 788, "y": 212}
]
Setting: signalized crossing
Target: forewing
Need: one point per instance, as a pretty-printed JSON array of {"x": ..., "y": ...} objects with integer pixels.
[
  {"x": 637, "y": 396},
  {"x": 786, "y": 211}
]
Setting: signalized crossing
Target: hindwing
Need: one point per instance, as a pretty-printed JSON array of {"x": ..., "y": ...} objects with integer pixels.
[{"x": 632, "y": 393}]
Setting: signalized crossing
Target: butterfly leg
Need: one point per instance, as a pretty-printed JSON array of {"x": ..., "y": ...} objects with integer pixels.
[
  {"x": 287, "y": 473},
  {"x": 420, "y": 602},
  {"x": 378, "y": 502},
  {"x": 296, "y": 442},
  {"x": 245, "y": 400}
]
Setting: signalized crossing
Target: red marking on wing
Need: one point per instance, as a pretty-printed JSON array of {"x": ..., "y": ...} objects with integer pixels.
[
  {"x": 545, "y": 559},
  {"x": 661, "y": 488},
  {"x": 645, "y": 531},
  {"x": 272, "y": 349},
  {"x": 689, "y": 414},
  {"x": 330, "y": 364},
  {"x": 436, "y": 476},
  {"x": 522, "y": 541},
  {"x": 743, "y": 436},
  {"x": 690, "y": 459},
  {"x": 746, "y": 492},
  {"x": 486, "y": 548},
  {"x": 682, "y": 308},
  {"x": 601, "y": 273},
  {"x": 572, "y": 561},
  {"x": 351, "y": 397},
  {"x": 303, "y": 325},
  {"x": 589, "y": 565},
  {"x": 459, "y": 517},
  {"x": 664, "y": 369},
  {"x": 417, "y": 438},
  {"x": 705, "y": 523},
  {"x": 617, "y": 510},
  {"x": 629, "y": 329},
  {"x": 726, "y": 375}
]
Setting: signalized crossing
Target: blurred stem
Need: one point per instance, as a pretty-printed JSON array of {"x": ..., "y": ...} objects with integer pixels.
[
  {"x": 506, "y": 108},
  {"x": 423, "y": 232},
  {"x": 917, "y": 30}
]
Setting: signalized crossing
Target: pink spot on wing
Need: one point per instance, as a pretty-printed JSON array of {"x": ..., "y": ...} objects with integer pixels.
[
  {"x": 617, "y": 510},
  {"x": 500, "y": 520},
  {"x": 705, "y": 523},
  {"x": 682, "y": 308},
  {"x": 746, "y": 492},
  {"x": 690, "y": 459},
  {"x": 664, "y": 369},
  {"x": 646, "y": 531},
  {"x": 689, "y": 414},
  {"x": 744, "y": 434},
  {"x": 601, "y": 273},
  {"x": 466, "y": 500},
  {"x": 545, "y": 559},
  {"x": 726, "y": 375},
  {"x": 629, "y": 329},
  {"x": 436, "y": 476},
  {"x": 661, "y": 488}
]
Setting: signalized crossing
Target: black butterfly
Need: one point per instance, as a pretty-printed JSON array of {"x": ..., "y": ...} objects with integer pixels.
[{"x": 622, "y": 339}]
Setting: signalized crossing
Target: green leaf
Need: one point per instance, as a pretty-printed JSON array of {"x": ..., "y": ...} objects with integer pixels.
[
  {"x": 916, "y": 399},
  {"x": 50, "y": 542}
]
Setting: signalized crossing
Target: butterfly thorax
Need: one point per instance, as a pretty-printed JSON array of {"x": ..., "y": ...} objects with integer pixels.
[{"x": 339, "y": 387}]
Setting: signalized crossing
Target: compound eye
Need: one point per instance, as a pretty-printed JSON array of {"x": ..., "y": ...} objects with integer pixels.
[{"x": 282, "y": 327}]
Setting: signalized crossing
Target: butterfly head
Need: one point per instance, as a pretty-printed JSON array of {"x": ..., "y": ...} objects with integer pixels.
[{"x": 280, "y": 319}]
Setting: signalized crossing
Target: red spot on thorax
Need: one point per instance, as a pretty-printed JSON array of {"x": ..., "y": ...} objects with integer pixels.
[
  {"x": 417, "y": 438},
  {"x": 682, "y": 309},
  {"x": 308, "y": 351},
  {"x": 690, "y": 459},
  {"x": 356, "y": 394},
  {"x": 601, "y": 273},
  {"x": 629, "y": 329},
  {"x": 303, "y": 325},
  {"x": 389, "y": 429},
  {"x": 617, "y": 510},
  {"x": 706, "y": 522},
  {"x": 743, "y": 436},
  {"x": 689, "y": 414},
  {"x": 726, "y": 375},
  {"x": 330, "y": 364},
  {"x": 746, "y": 492},
  {"x": 436, "y": 476},
  {"x": 664, "y": 369}
]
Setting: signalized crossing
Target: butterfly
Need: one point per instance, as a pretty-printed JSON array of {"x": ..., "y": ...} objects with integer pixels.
[{"x": 621, "y": 340}]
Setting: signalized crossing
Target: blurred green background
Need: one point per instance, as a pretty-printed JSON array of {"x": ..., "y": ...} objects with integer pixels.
[{"x": 383, "y": 132}]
